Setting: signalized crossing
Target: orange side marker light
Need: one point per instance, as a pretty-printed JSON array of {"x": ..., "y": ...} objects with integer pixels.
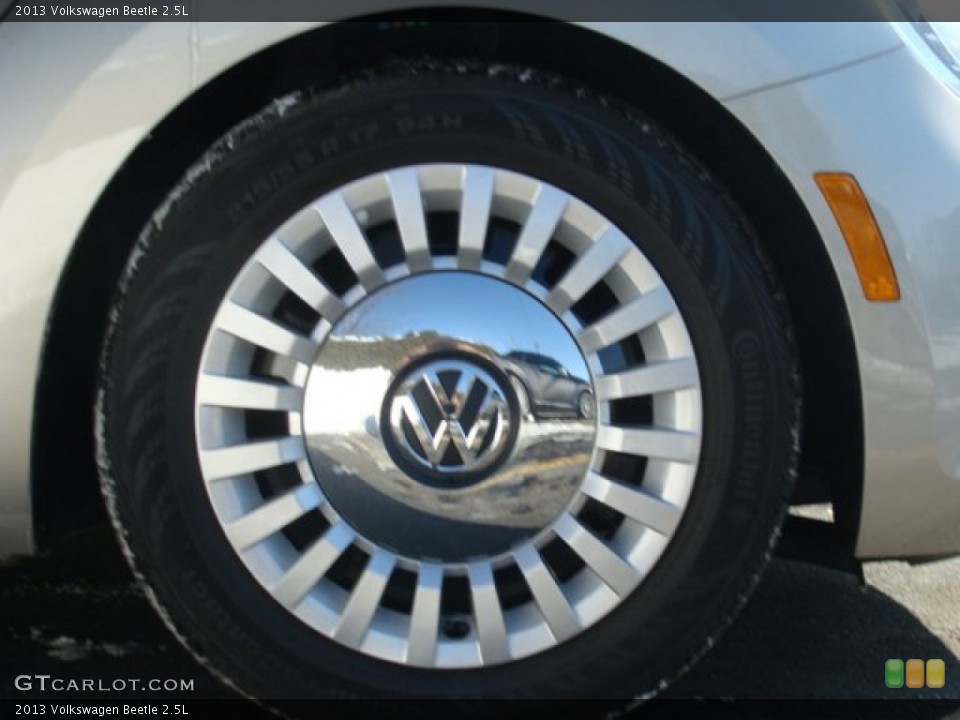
[{"x": 862, "y": 234}]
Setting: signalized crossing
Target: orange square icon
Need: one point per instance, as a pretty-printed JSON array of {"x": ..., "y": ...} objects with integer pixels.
[
  {"x": 936, "y": 673},
  {"x": 914, "y": 673}
]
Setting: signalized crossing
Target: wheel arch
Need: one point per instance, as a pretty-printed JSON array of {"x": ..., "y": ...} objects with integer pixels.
[{"x": 64, "y": 478}]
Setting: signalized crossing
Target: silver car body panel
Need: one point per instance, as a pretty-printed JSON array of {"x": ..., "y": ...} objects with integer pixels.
[
  {"x": 894, "y": 125},
  {"x": 65, "y": 130}
]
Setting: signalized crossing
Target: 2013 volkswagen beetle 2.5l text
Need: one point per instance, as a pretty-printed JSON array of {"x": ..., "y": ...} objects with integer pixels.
[{"x": 420, "y": 358}]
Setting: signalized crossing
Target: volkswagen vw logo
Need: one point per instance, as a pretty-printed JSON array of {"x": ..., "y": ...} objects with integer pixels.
[{"x": 449, "y": 419}]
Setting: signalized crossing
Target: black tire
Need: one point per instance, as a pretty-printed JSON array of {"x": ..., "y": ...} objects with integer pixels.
[{"x": 292, "y": 152}]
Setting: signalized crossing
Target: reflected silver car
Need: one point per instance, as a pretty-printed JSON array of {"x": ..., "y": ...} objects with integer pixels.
[
  {"x": 546, "y": 387},
  {"x": 427, "y": 359}
]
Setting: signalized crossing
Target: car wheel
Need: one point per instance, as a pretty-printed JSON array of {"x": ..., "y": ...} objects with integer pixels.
[
  {"x": 523, "y": 397},
  {"x": 585, "y": 405},
  {"x": 316, "y": 460}
]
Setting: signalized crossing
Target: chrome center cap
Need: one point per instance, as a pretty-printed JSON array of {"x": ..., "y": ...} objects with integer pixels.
[
  {"x": 449, "y": 422},
  {"x": 444, "y": 416}
]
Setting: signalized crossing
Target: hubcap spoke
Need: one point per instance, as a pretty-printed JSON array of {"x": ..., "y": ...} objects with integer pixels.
[
  {"x": 312, "y": 565},
  {"x": 258, "y": 330},
  {"x": 474, "y": 216},
  {"x": 648, "y": 380},
  {"x": 286, "y": 267},
  {"x": 249, "y": 394},
  {"x": 491, "y": 630},
  {"x": 635, "y": 504},
  {"x": 673, "y": 445},
  {"x": 342, "y": 225},
  {"x": 272, "y": 516},
  {"x": 600, "y": 259},
  {"x": 615, "y": 572},
  {"x": 408, "y": 210},
  {"x": 365, "y": 599},
  {"x": 425, "y": 617},
  {"x": 631, "y": 318},
  {"x": 555, "y": 607},
  {"x": 241, "y": 459},
  {"x": 539, "y": 228}
]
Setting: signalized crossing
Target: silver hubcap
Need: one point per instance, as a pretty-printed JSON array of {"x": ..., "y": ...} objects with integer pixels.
[
  {"x": 448, "y": 416},
  {"x": 413, "y": 428}
]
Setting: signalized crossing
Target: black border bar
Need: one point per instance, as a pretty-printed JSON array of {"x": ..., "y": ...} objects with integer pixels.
[
  {"x": 229, "y": 709},
  {"x": 570, "y": 10}
]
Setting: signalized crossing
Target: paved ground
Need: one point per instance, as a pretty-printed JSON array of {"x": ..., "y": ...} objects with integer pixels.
[{"x": 807, "y": 632}]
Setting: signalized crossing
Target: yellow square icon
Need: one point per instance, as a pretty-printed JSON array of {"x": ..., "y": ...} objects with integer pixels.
[
  {"x": 936, "y": 673},
  {"x": 914, "y": 673}
]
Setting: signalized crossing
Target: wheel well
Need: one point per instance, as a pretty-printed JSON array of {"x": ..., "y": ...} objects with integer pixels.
[{"x": 65, "y": 486}]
